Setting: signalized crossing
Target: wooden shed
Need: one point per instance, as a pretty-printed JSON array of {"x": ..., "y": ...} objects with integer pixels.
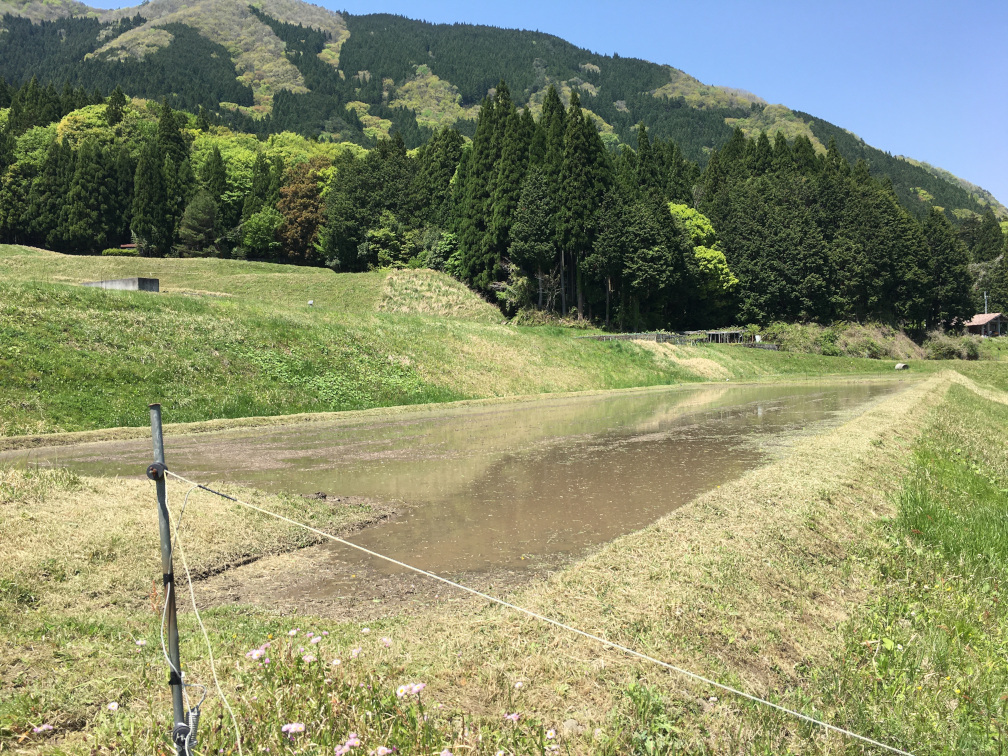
[{"x": 988, "y": 324}]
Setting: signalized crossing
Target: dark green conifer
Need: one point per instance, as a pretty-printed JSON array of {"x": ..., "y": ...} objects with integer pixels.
[
  {"x": 950, "y": 301},
  {"x": 783, "y": 158},
  {"x": 762, "y": 155},
  {"x": 150, "y": 222},
  {"x": 170, "y": 138},
  {"x": 532, "y": 232},
  {"x": 87, "y": 202},
  {"x": 805, "y": 158},
  {"x": 990, "y": 240},
  {"x": 114, "y": 107}
]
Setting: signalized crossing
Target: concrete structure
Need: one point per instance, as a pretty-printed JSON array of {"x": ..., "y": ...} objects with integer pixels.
[
  {"x": 988, "y": 324},
  {"x": 127, "y": 284}
]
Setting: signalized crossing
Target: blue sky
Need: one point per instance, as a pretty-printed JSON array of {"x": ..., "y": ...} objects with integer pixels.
[{"x": 925, "y": 79}]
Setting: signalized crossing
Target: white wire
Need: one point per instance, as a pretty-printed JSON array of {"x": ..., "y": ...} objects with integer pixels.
[
  {"x": 557, "y": 623},
  {"x": 206, "y": 637}
]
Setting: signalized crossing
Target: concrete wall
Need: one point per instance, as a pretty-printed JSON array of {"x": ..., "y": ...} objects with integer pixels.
[{"x": 127, "y": 284}]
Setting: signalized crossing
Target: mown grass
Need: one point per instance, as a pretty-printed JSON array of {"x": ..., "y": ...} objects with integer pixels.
[
  {"x": 231, "y": 339},
  {"x": 924, "y": 663},
  {"x": 784, "y": 583}
]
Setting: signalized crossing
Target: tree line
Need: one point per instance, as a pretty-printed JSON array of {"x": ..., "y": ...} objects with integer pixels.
[{"x": 537, "y": 214}]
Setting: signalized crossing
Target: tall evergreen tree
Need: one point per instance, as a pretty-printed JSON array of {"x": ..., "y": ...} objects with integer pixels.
[
  {"x": 260, "y": 191},
  {"x": 170, "y": 138},
  {"x": 151, "y": 223},
  {"x": 213, "y": 176},
  {"x": 990, "y": 240},
  {"x": 508, "y": 183},
  {"x": 87, "y": 202},
  {"x": 783, "y": 158},
  {"x": 532, "y": 232},
  {"x": 114, "y": 107},
  {"x": 762, "y": 155},
  {"x": 950, "y": 301}
]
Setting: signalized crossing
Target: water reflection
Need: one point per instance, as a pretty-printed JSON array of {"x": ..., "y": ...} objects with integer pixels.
[{"x": 505, "y": 485}]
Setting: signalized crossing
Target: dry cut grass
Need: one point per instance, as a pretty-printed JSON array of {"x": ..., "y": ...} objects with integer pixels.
[
  {"x": 424, "y": 292},
  {"x": 746, "y": 585}
]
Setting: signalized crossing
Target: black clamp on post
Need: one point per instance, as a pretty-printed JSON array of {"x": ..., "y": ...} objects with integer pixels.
[{"x": 156, "y": 471}]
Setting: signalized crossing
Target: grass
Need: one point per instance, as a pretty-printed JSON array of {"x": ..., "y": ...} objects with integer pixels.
[
  {"x": 761, "y": 571},
  {"x": 924, "y": 662},
  {"x": 229, "y": 339},
  {"x": 858, "y": 578}
]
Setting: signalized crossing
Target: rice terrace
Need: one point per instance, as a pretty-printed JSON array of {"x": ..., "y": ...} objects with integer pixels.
[{"x": 373, "y": 386}]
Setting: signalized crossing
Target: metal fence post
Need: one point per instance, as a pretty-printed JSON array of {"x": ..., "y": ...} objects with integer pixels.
[{"x": 156, "y": 472}]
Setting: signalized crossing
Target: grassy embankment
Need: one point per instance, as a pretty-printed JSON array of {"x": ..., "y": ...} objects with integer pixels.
[
  {"x": 228, "y": 339},
  {"x": 858, "y": 578}
]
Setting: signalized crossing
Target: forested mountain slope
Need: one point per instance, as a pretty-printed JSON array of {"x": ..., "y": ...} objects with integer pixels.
[{"x": 280, "y": 65}]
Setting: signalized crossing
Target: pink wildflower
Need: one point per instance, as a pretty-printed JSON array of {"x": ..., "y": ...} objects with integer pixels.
[
  {"x": 292, "y": 728},
  {"x": 402, "y": 690},
  {"x": 550, "y": 734},
  {"x": 382, "y": 751},
  {"x": 255, "y": 654},
  {"x": 355, "y": 653},
  {"x": 512, "y": 717},
  {"x": 387, "y": 642},
  {"x": 307, "y": 658},
  {"x": 293, "y": 632},
  {"x": 42, "y": 728},
  {"x": 316, "y": 639},
  {"x": 417, "y": 687},
  {"x": 141, "y": 642}
]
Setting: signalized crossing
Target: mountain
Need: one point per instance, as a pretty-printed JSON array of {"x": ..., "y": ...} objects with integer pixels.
[{"x": 280, "y": 65}]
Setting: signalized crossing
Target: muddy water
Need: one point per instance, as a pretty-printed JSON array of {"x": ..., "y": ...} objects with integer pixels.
[{"x": 508, "y": 486}]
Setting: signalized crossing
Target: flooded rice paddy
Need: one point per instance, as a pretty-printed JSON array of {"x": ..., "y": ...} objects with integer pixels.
[{"x": 509, "y": 487}]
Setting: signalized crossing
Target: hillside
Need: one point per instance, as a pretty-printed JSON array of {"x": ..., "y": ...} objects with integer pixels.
[
  {"x": 232, "y": 339},
  {"x": 287, "y": 65}
]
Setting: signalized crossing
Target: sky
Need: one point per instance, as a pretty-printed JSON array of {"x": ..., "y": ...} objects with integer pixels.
[{"x": 926, "y": 79}]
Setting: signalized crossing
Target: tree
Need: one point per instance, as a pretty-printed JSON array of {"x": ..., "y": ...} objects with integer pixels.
[
  {"x": 87, "y": 203},
  {"x": 301, "y": 206},
  {"x": 508, "y": 183},
  {"x": 990, "y": 240},
  {"x": 152, "y": 226},
  {"x": 213, "y": 175},
  {"x": 259, "y": 194},
  {"x": 114, "y": 107},
  {"x": 197, "y": 228},
  {"x": 260, "y": 234},
  {"x": 170, "y": 138},
  {"x": 950, "y": 301},
  {"x": 532, "y": 233},
  {"x": 606, "y": 261}
]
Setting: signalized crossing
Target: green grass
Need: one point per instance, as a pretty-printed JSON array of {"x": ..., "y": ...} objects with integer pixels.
[
  {"x": 924, "y": 663},
  {"x": 231, "y": 339}
]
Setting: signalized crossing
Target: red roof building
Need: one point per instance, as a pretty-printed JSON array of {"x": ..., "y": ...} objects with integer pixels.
[{"x": 988, "y": 324}]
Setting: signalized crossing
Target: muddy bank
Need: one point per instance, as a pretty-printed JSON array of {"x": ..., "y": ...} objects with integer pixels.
[{"x": 501, "y": 518}]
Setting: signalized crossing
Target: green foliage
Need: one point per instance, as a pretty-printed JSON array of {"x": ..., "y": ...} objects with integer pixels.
[
  {"x": 197, "y": 228},
  {"x": 696, "y": 224},
  {"x": 260, "y": 234},
  {"x": 943, "y": 346},
  {"x": 119, "y": 252}
]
